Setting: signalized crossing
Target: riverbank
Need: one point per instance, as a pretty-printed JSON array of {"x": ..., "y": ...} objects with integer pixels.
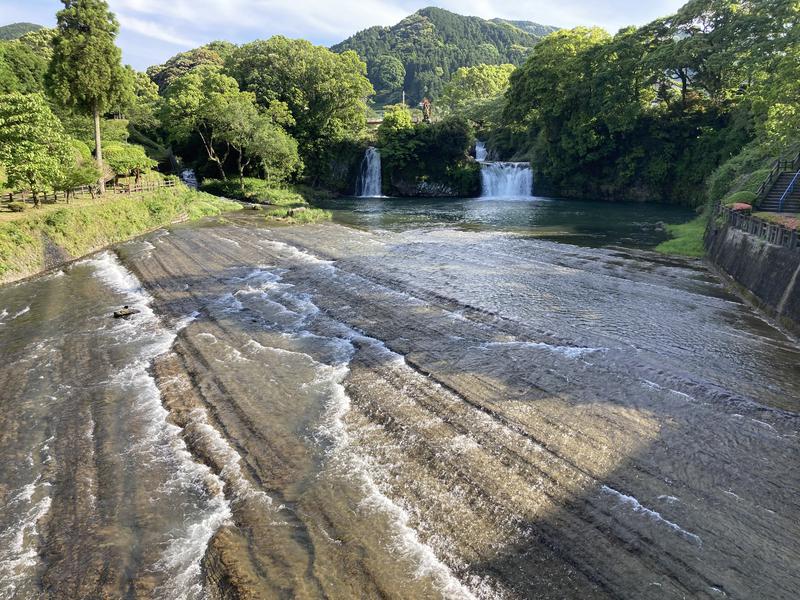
[
  {"x": 289, "y": 204},
  {"x": 38, "y": 240}
]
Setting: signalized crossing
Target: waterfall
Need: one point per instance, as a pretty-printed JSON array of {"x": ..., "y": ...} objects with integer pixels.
[
  {"x": 368, "y": 184},
  {"x": 480, "y": 151},
  {"x": 506, "y": 180}
]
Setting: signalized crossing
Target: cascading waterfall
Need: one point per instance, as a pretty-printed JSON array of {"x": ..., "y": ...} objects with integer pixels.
[
  {"x": 506, "y": 180},
  {"x": 480, "y": 151},
  {"x": 503, "y": 179},
  {"x": 368, "y": 184}
]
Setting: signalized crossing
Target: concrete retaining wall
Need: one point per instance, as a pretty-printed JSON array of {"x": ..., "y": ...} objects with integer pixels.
[{"x": 768, "y": 274}]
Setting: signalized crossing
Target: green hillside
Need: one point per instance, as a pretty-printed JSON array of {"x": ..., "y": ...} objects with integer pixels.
[
  {"x": 422, "y": 51},
  {"x": 17, "y": 30}
]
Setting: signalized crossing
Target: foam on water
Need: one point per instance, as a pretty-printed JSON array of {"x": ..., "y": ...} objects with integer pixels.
[
  {"x": 19, "y": 542},
  {"x": 161, "y": 441},
  {"x": 568, "y": 351},
  {"x": 636, "y": 507},
  {"x": 404, "y": 539},
  {"x": 344, "y": 456}
]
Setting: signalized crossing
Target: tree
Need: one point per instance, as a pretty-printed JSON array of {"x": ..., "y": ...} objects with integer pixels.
[
  {"x": 21, "y": 69},
  {"x": 80, "y": 170},
  {"x": 257, "y": 138},
  {"x": 33, "y": 145},
  {"x": 387, "y": 74},
  {"x": 196, "y": 103},
  {"x": 86, "y": 71},
  {"x": 325, "y": 92},
  {"x": 476, "y": 93},
  {"x": 186, "y": 62},
  {"x": 128, "y": 159}
]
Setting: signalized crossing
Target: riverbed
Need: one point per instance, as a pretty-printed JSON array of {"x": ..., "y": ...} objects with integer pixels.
[{"x": 395, "y": 406}]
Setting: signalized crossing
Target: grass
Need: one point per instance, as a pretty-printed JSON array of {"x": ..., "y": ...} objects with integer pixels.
[
  {"x": 789, "y": 221},
  {"x": 83, "y": 227},
  {"x": 281, "y": 204},
  {"x": 687, "y": 238}
]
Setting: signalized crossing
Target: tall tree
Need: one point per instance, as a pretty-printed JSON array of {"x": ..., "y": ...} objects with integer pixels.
[
  {"x": 33, "y": 146},
  {"x": 86, "y": 72}
]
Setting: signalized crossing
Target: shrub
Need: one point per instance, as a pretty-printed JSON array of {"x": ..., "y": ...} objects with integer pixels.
[{"x": 743, "y": 197}]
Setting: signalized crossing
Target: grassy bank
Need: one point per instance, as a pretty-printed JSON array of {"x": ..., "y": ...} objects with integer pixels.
[
  {"x": 687, "y": 238},
  {"x": 77, "y": 229},
  {"x": 285, "y": 204}
]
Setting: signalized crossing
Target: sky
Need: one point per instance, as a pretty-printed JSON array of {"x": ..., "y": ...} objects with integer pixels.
[{"x": 153, "y": 30}]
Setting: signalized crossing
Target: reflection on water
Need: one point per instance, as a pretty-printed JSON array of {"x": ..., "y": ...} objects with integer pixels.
[{"x": 577, "y": 222}]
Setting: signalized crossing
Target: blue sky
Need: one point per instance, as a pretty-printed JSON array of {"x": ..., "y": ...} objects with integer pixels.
[{"x": 154, "y": 30}]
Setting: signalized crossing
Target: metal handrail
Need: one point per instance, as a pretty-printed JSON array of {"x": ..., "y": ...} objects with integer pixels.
[{"x": 788, "y": 191}]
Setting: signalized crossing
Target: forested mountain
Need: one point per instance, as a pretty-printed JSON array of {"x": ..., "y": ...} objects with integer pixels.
[
  {"x": 422, "y": 51},
  {"x": 17, "y": 30}
]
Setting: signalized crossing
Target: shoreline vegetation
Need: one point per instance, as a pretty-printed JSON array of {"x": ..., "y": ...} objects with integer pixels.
[{"x": 38, "y": 240}]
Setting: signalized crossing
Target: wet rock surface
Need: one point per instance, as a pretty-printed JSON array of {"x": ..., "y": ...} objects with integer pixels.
[{"x": 319, "y": 411}]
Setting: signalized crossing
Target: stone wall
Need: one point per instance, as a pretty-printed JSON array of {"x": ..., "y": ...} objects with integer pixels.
[{"x": 768, "y": 274}]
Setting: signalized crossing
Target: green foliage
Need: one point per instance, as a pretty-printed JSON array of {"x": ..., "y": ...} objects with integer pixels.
[
  {"x": 477, "y": 93},
  {"x": 654, "y": 111},
  {"x": 80, "y": 229},
  {"x": 433, "y": 43},
  {"x": 33, "y": 145},
  {"x": 21, "y": 68},
  {"x": 687, "y": 239},
  {"x": 212, "y": 55},
  {"x": 325, "y": 92},
  {"x": 127, "y": 159},
  {"x": 430, "y": 155},
  {"x": 251, "y": 189},
  {"x": 86, "y": 71},
  {"x": 17, "y": 30},
  {"x": 387, "y": 75},
  {"x": 79, "y": 171},
  {"x": 743, "y": 197}
]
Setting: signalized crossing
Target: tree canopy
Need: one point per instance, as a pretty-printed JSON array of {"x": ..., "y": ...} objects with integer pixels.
[
  {"x": 658, "y": 108},
  {"x": 325, "y": 92},
  {"x": 433, "y": 43},
  {"x": 33, "y": 146}
]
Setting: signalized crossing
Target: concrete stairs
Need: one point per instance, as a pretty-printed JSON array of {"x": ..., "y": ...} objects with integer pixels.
[{"x": 791, "y": 203}]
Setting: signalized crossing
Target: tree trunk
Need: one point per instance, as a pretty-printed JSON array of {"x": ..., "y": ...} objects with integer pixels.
[{"x": 98, "y": 149}]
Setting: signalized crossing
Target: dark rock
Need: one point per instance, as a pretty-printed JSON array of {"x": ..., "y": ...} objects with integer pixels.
[{"x": 125, "y": 312}]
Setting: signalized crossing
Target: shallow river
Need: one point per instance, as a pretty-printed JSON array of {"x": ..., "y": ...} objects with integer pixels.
[{"x": 435, "y": 409}]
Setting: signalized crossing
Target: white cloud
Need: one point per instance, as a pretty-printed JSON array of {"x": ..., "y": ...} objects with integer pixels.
[{"x": 156, "y": 31}]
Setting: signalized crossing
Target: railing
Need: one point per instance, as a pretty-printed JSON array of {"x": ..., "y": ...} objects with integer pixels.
[
  {"x": 788, "y": 191},
  {"x": 773, "y": 233},
  {"x": 54, "y": 197},
  {"x": 779, "y": 167}
]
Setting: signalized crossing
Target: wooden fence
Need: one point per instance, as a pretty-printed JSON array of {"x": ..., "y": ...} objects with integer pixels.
[
  {"x": 773, "y": 233},
  {"x": 149, "y": 185}
]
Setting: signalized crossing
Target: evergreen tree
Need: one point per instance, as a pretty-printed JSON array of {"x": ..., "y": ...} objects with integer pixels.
[{"x": 86, "y": 72}]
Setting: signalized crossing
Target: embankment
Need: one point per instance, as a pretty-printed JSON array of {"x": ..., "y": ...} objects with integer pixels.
[
  {"x": 767, "y": 274},
  {"x": 41, "y": 240}
]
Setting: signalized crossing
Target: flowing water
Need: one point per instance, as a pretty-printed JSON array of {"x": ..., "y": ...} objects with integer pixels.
[
  {"x": 447, "y": 411},
  {"x": 506, "y": 180},
  {"x": 480, "y": 151},
  {"x": 368, "y": 183}
]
